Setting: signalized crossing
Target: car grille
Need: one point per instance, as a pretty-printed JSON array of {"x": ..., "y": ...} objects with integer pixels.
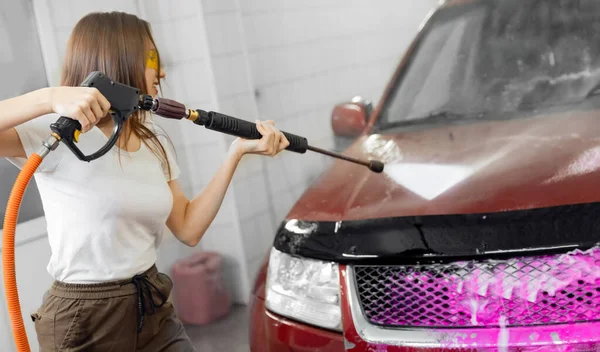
[{"x": 526, "y": 291}]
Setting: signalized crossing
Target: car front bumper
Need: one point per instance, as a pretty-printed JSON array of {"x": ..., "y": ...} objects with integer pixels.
[{"x": 270, "y": 332}]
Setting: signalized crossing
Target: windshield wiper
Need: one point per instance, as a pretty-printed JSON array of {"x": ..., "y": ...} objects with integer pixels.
[{"x": 433, "y": 117}]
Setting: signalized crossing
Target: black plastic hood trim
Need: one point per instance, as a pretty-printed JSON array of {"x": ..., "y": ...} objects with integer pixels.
[{"x": 444, "y": 238}]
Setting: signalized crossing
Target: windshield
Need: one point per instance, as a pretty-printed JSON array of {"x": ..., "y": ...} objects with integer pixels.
[{"x": 500, "y": 56}]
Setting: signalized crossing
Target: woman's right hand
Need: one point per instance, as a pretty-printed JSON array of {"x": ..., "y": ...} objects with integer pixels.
[{"x": 86, "y": 105}]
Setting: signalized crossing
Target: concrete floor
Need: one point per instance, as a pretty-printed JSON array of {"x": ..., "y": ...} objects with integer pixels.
[{"x": 228, "y": 334}]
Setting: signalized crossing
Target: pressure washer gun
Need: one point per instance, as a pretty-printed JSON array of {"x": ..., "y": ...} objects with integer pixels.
[
  {"x": 125, "y": 101},
  {"x": 241, "y": 128}
]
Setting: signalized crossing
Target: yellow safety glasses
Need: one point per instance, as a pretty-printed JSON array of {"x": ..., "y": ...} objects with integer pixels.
[{"x": 152, "y": 59}]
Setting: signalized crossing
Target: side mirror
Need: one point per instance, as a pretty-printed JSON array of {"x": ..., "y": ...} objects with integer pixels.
[{"x": 350, "y": 119}]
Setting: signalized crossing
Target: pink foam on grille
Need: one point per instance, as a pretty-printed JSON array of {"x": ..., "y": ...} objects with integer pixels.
[
  {"x": 200, "y": 296},
  {"x": 582, "y": 337},
  {"x": 528, "y": 291}
]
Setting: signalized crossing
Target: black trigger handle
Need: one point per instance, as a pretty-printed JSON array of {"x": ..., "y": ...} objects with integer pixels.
[{"x": 124, "y": 101}]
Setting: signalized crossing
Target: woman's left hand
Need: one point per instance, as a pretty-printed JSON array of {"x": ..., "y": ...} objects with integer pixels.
[{"x": 271, "y": 143}]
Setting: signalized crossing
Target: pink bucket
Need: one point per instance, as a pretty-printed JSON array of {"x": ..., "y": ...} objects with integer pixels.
[{"x": 200, "y": 296}]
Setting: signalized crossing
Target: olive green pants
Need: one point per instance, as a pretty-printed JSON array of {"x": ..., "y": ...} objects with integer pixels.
[{"x": 130, "y": 315}]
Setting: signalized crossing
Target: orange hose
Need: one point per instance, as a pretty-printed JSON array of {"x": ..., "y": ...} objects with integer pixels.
[{"x": 8, "y": 251}]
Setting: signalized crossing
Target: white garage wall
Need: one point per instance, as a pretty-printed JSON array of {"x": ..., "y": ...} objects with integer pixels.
[{"x": 235, "y": 91}]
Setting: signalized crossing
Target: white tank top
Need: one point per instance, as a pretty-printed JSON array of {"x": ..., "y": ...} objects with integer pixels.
[{"x": 106, "y": 218}]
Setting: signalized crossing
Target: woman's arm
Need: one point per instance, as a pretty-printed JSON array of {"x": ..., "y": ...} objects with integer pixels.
[
  {"x": 189, "y": 220},
  {"x": 23, "y": 108},
  {"x": 84, "y": 104}
]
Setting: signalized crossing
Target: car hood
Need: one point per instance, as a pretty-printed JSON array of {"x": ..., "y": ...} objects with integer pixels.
[{"x": 478, "y": 167}]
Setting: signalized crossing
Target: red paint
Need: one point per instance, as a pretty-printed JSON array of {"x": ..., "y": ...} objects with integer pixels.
[
  {"x": 259, "y": 282},
  {"x": 517, "y": 164},
  {"x": 349, "y": 119}
]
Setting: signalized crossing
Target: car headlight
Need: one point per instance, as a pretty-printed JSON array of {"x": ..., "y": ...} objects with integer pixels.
[{"x": 303, "y": 289}]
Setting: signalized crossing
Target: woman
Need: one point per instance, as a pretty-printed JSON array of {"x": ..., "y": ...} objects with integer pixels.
[{"x": 105, "y": 218}]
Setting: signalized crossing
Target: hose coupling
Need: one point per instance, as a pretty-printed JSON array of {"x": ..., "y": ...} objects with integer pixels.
[
  {"x": 147, "y": 102},
  {"x": 49, "y": 144}
]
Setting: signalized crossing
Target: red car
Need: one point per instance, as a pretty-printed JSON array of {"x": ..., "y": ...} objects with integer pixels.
[{"x": 482, "y": 232}]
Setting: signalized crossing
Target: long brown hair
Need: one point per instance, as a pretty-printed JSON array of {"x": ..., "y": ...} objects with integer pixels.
[{"x": 114, "y": 43}]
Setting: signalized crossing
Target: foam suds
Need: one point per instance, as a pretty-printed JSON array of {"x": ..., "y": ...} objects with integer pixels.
[
  {"x": 523, "y": 280},
  {"x": 301, "y": 230},
  {"x": 474, "y": 305},
  {"x": 503, "y": 335},
  {"x": 384, "y": 150},
  {"x": 552, "y": 289}
]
